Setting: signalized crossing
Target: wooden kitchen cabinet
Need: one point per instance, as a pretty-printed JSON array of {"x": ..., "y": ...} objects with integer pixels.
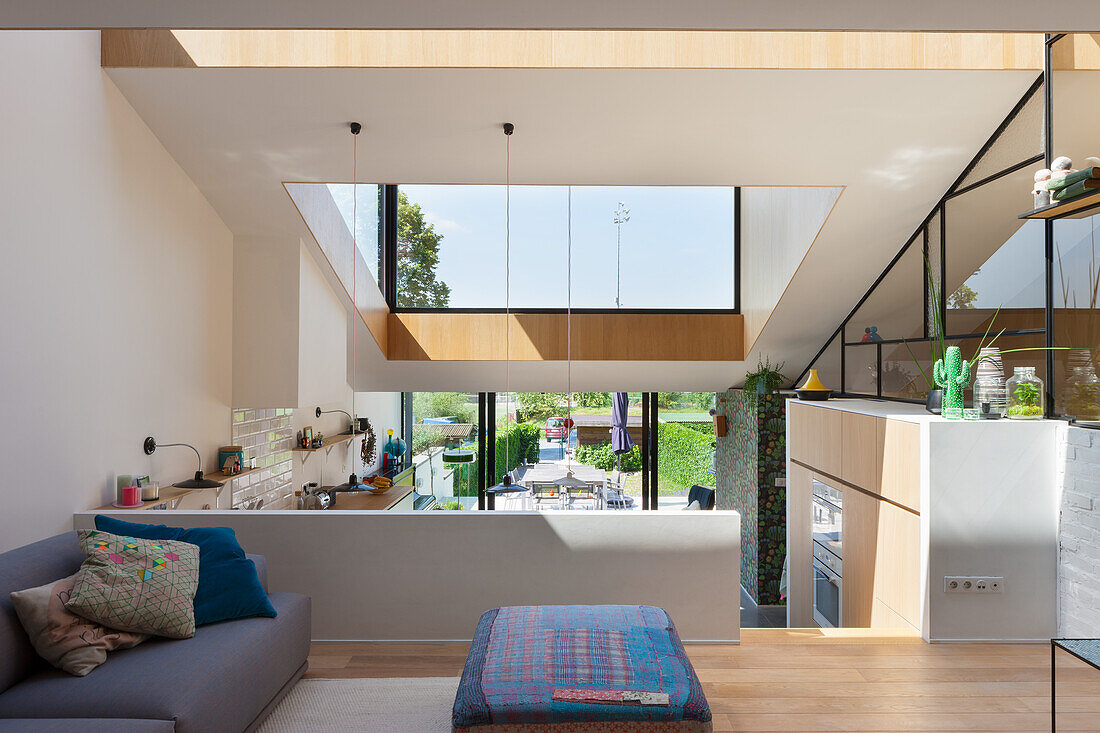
[
  {"x": 815, "y": 437},
  {"x": 897, "y": 566},
  {"x": 861, "y": 543},
  {"x": 901, "y": 463},
  {"x": 861, "y": 450}
]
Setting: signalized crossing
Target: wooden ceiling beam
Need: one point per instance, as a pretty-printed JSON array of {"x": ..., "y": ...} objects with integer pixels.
[{"x": 571, "y": 49}]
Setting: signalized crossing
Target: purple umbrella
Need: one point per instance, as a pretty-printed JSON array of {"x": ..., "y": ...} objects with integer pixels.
[{"x": 621, "y": 441}]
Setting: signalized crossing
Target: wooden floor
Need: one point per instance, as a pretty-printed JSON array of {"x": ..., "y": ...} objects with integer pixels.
[{"x": 804, "y": 680}]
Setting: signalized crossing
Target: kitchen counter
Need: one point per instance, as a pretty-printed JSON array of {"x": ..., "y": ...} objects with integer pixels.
[
  {"x": 903, "y": 411},
  {"x": 359, "y": 500},
  {"x": 926, "y": 498}
]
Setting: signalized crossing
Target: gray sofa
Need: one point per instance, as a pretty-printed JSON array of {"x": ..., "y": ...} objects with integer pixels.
[{"x": 228, "y": 677}]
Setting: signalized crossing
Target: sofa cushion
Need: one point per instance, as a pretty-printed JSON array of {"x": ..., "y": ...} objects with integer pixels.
[
  {"x": 131, "y": 584},
  {"x": 229, "y": 584},
  {"x": 218, "y": 680},
  {"x": 85, "y": 725},
  {"x": 62, "y": 638},
  {"x": 26, "y": 567}
]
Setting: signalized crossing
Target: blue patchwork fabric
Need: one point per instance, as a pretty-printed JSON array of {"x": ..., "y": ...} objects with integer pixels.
[{"x": 521, "y": 654}]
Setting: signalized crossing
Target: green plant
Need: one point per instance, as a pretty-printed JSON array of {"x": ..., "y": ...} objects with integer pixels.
[
  {"x": 451, "y": 505},
  {"x": 766, "y": 376},
  {"x": 601, "y": 456},
  {"x": 1027, "y": 393},
  {"x": 518, "y": 445}
]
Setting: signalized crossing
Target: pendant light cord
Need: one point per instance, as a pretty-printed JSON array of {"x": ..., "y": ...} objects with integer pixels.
[
  {"x": 507, "y": 296},
  {"x": 569, "y": 329},
  {"x": 354, "y": 257}
]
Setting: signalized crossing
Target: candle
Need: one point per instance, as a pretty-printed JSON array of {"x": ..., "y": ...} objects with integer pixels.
[{"x": 131, "y": 495}]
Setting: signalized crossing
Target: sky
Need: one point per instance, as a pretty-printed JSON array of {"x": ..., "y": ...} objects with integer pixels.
[{"x": 676, "y": 250}]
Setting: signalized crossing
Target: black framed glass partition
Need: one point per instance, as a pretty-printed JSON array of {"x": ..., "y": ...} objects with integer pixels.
[{"x": 970, "y": 257}]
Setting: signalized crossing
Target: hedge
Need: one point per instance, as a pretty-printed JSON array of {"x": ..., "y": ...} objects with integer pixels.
[
  {"x": 523, "y": 447},
  {"x": 683, "y": 456},
  {"x": 601, "y": 456}
]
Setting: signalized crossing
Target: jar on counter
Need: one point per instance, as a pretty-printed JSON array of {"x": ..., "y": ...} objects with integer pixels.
[
  {"x": 990, "y": 398},
  {"x": 1025, "y": 394}
]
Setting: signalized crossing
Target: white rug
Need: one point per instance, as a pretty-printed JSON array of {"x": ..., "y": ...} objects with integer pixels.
[{"x": 404, "y": 705}]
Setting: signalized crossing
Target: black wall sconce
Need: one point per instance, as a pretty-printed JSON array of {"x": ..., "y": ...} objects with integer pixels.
[{"x": 199, "y": 482}]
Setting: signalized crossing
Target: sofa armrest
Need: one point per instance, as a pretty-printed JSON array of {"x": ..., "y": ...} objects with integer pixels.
[{"x": 261, "y": 569}]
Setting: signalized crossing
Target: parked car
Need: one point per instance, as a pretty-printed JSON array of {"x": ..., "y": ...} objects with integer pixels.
[{"x": 557, "y": 428}]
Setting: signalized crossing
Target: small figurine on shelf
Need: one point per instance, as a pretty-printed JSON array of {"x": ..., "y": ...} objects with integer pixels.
[
  {"x": 1040, "y": 190},
  {"x": 1059, "y": 169},
  {"x": 870, "y": 335}
]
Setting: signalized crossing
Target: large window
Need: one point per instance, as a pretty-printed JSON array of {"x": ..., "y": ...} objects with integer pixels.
[{"x": 635, "y": 247}]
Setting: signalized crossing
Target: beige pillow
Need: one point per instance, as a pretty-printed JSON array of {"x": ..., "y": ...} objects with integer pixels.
[
  {"x": 62, "y": 638},
  {"x": 693, "y": 506},
  {"x": 145, "y": 586}
]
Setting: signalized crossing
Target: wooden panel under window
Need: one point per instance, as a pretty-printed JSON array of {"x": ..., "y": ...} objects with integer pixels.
[{"x": 549, "y": 337}]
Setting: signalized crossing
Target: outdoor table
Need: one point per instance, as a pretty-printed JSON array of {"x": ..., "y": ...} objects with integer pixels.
[{"x": 555, "y": 473}]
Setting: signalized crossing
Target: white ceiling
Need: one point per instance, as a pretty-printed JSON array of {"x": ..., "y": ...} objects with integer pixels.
[
  {"x": 995, "y": 15},
  {"x": 894, "y": 139}
]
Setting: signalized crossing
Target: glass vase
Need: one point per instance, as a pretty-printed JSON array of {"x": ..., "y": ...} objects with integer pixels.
[
  {"x": 1082, "y": 389},
  {"x": 1025, "y": 394},
  {"x": 990, "y": 397}
]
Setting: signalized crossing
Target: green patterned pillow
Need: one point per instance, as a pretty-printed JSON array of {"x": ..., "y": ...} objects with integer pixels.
[{"x": 144, "y": 586}]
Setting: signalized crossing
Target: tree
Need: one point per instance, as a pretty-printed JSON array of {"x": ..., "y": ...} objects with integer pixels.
[
  {"x": 417, "y": 258},
  {"x": 962, "y": 298},
  {"x": 538, "y": 406},
  {"x": 592, "y": 399},
  {"x": 443, "y": 404}
]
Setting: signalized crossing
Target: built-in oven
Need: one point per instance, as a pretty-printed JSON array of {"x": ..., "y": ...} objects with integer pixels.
[{"x": 828, "y": 553}]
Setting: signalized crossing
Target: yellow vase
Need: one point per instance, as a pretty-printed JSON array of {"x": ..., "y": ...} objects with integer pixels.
[{"x": 813, "y": 383}]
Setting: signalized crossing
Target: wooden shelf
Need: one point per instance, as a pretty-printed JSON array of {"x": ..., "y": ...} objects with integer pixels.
[
  {"x": 329, "y": 442},
  {"x": 224, "y": 477},
  {"x": 1064, "y": 208},
  {"x": 168, "y": 495}
]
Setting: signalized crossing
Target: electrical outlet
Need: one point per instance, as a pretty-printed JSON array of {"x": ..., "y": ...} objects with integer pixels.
[{"x": 979, "y": 584}]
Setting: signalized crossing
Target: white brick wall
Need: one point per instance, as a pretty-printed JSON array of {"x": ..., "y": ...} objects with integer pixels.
[
  {"x": 265, "y": 434},
  {"x": 1079, "y": 534}
]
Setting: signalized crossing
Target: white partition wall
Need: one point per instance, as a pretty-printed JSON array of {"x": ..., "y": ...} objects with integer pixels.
[{"x": 430, "y": 575}]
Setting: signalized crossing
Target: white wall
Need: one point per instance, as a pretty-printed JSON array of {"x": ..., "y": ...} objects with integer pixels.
[
  {"x": 116, "y": 285},
  {"x": 265, "y": 316},
  {"x": 778, "y": 226},
  {"x": 430, "y": 575},
  {"x": 989, "y": 500},
  {"x": 1079, "y": 534}
]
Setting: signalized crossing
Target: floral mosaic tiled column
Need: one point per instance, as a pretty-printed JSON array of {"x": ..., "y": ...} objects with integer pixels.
[{"x": 749, "y": 461}]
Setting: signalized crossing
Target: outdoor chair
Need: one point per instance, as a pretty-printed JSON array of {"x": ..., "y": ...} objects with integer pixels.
[
  {"x": 540, "y": 491},
  {"x": 613, "y": 496}
]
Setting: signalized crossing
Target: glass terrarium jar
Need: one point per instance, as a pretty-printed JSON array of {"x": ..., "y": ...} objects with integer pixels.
[
  {"x": 1082, "y": 393},
  {"x": 1025, "y": 394}
]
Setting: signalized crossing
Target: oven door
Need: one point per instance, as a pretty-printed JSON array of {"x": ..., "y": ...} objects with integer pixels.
[
  {"x": 828, "y": 523},
  {"x": 827, "y": 595}
]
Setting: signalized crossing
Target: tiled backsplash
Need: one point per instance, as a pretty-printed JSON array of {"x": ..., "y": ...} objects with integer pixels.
[
  {"x": 265, "y": 434},
  {"x": 1079, "y": 535}
]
